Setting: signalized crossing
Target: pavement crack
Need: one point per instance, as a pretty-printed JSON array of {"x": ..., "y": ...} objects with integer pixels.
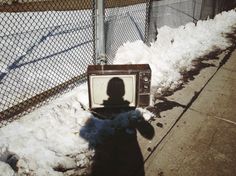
[
  {"x": 228, "y": 69},
  {"x": 200, "y": 112},
  {"x": 225, "y": 120},
  {"x": 216, "y": 117},
  {"x": 212, "y": 139}
]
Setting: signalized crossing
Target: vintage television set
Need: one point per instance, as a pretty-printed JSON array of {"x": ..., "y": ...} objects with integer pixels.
[{"x": 113, "y": 87}]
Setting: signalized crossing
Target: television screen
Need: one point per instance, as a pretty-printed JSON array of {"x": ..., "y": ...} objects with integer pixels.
[{"x": 113, "y": 90}]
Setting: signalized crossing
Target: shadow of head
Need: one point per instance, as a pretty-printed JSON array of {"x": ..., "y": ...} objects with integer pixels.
[
  {"x": 116, "y": 91},
  {"x": 116, "y": 88}
]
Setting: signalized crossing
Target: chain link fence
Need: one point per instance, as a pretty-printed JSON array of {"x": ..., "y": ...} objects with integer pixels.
[
  {"x": 45, "y": 46},
  {"x": 210, "y": 8},
  {"x": 174, "y": 13},
  {"x": 124, "y": 21}
]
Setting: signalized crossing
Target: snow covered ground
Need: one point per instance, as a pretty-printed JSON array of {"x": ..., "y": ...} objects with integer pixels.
[{"x": 56, "y": 139}]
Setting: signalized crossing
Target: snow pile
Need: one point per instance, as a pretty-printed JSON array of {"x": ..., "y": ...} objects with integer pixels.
[
  {"x": 56, "y": 139},
  {"x": 6, "y": 169},
  {"x": 49, "y": 137},
  {"x": 175, "y": 49}
]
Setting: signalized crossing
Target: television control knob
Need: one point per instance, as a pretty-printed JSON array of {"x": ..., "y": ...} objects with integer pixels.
[
  {"x": 145, "y": 86},
  {"x": 146, "y": 79}
]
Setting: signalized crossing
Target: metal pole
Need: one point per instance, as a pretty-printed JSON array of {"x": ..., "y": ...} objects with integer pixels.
[
  {"x": 101, "y": 56},
  {"x": 147, "y": 21},
  {"x": 202, "y": 8},
  {"x": 94, "y": 14},
  {"x": 194, "y": 9}
]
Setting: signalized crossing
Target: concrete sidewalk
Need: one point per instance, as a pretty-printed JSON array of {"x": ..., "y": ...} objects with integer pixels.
[{"x": 197, "y": 134}]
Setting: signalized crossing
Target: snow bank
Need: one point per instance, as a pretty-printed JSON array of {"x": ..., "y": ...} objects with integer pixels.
[
  {"x": 56, "y": 139},
  {"x": 49, "y": 137},
  {"x": 6, "y": 169},
  {"x": 175, "y": 49}
]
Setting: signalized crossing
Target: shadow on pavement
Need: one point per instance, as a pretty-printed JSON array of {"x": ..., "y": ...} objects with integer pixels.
[{"x": 118, "y": 153}]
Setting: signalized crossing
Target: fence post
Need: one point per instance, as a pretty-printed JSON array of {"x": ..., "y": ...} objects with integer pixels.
[
  {"x": 100, "y": 34},
  {"x": 147, "y": 21}
]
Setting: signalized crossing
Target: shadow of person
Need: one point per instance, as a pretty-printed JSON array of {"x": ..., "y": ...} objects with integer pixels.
[
  {"x": 117, "y": 152},
  {"x": 118, "y": 156},
  {"x": 115, "y": 91}
]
